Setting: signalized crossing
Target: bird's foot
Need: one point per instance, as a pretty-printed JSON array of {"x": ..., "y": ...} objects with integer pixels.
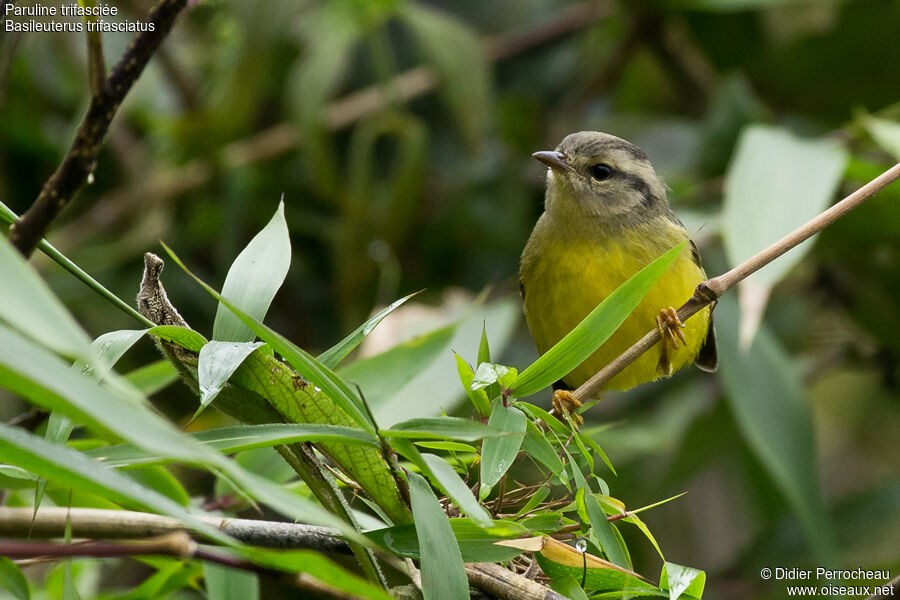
[
  {"x": 670, "y": 330},
  {"x": 565, "y": 401}
]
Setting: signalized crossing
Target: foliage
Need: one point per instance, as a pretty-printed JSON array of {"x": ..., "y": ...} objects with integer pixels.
[{"x": 757, "y": 112}]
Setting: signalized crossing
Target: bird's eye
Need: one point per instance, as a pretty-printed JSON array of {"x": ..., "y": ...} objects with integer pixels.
[{"x": 601, "y": 171}]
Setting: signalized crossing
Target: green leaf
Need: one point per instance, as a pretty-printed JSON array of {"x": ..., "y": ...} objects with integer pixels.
[
  {"x": 254, "y": 279},
  {"x": 183, "y": 336},
  {"x": 217, "y": 362},
  {"x": 681, "y": 581},
  {"x": 12, "y": 580},
  {"x": 112, "y": 345},
  {"x": 236, "y": 439},
  {"x": 498, "y": 453},
  {"x": 48, "y": 381},
  {"x": 43, "y": 378},
  {"x": 10, "y": 217},
  {"x": 489, "y": 373},
  {"x": 70, "y": 468},
  {"x": 332, "y": 357},
  {"x": 569, "y": 587},
  {"x": 443, "y": 572},
  {"x": 479, "y": 398},
  {"x": 226, "y": 583},
  {"x": 539, "y": 414},
  {"x": 484, "y": 348},
  {"x": 476, "y": 543},
  {"x": 452, "y": 428},
  {"x": 772, "y": 169},
  {"x": 160, "y": 479},
  {"x": 27, "y": 304},
  {"x": 448, "y": 446},
  {"x": 596, "y": 578},
  {"x": 154, "y": 377},
  {"x": 540, "y": 449},
  {"x": 595, "y": 329},
  {"x": 765, "y": 395},
  {"x": 606, "y": 538},
  {"x": 307, "y": 366},
  {"x": 885, "y": 133},
  {"x": 536, "y": 498},
  {"x": 171, "y": 575},
  {"x": 313, "y": 563},
  {"x": 451, "y": 484},
  {"x": 544, "y": 523}
]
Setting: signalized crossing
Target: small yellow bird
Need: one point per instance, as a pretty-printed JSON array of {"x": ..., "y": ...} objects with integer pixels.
[{"x": 606, "y": 216}]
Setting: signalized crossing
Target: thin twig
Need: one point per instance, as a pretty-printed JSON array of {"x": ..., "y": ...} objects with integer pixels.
[
  {"x": 78, "y": 164},
  {"x": 711, "y": 289}
]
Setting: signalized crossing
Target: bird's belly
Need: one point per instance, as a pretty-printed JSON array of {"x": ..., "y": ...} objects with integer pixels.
[{"x": 563, "y": 287}]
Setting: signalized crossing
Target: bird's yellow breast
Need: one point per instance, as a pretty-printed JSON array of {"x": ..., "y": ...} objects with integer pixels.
[{"x": 564, "y": 278}]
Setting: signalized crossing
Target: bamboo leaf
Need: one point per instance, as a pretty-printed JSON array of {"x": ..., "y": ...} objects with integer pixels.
[
  {"x": 307, "y": 366},
  {"x": 215, "y": 365},
  {"x": 27, "y": 304},
  {"x": 254, "y": 279},
  {"x": 498, "y": 453},
  {"x": 443, "y": 573},
  {"x": 332, "y": 357}
]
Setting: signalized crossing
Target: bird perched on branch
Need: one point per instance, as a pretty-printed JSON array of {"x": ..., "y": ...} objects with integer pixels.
[{"x": 606, "y": 216}]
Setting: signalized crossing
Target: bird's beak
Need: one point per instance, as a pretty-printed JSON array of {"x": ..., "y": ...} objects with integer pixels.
[{"x": 553, "y": 159}]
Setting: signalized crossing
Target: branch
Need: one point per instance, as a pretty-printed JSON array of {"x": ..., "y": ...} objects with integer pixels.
[
  {"x": 171, "y": 540},
  {"x": 506, "y": 585},
  {"x": 78, "y": 164},
  {"x": 96, "y": 523},
  {"x": 711, "y": 289},
  {"x": 178, "y": 544}
]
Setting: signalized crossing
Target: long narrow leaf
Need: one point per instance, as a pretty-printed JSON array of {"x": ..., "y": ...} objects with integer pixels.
[
  {"x": 254, "y": 278},
  {"x": 236, "y": 439},
  {"x": 27, "y": 304},
  {"x": 216, "y": 363},
  {"x": 498, "y": 453},
  {"x": 334, "y": 355},
  {"x": 71, "y": 468},
  {"x": 443, "y": 572}
]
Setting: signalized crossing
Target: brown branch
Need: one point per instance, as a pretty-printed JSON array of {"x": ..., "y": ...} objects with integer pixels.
[
  {"x": 169, "y": 538},
  {"x": 711, "y": 289},
  {"x": 97, "y": 523},
  {"x": 506, "y": 585},
  {"x": 78, "y": 164},
  {"x": 178, "y": 544}
]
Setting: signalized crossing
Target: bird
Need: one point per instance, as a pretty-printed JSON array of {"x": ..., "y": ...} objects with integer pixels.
[{"x": 606, "y": 216}]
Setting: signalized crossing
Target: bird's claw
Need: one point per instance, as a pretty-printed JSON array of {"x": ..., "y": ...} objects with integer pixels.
[
  {"x": 670, "y": 330},
  {"x": 566, "y": 402}
]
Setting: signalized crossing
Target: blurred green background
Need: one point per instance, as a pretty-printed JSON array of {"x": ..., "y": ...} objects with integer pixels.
[{"x": 400, "y": 135}]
